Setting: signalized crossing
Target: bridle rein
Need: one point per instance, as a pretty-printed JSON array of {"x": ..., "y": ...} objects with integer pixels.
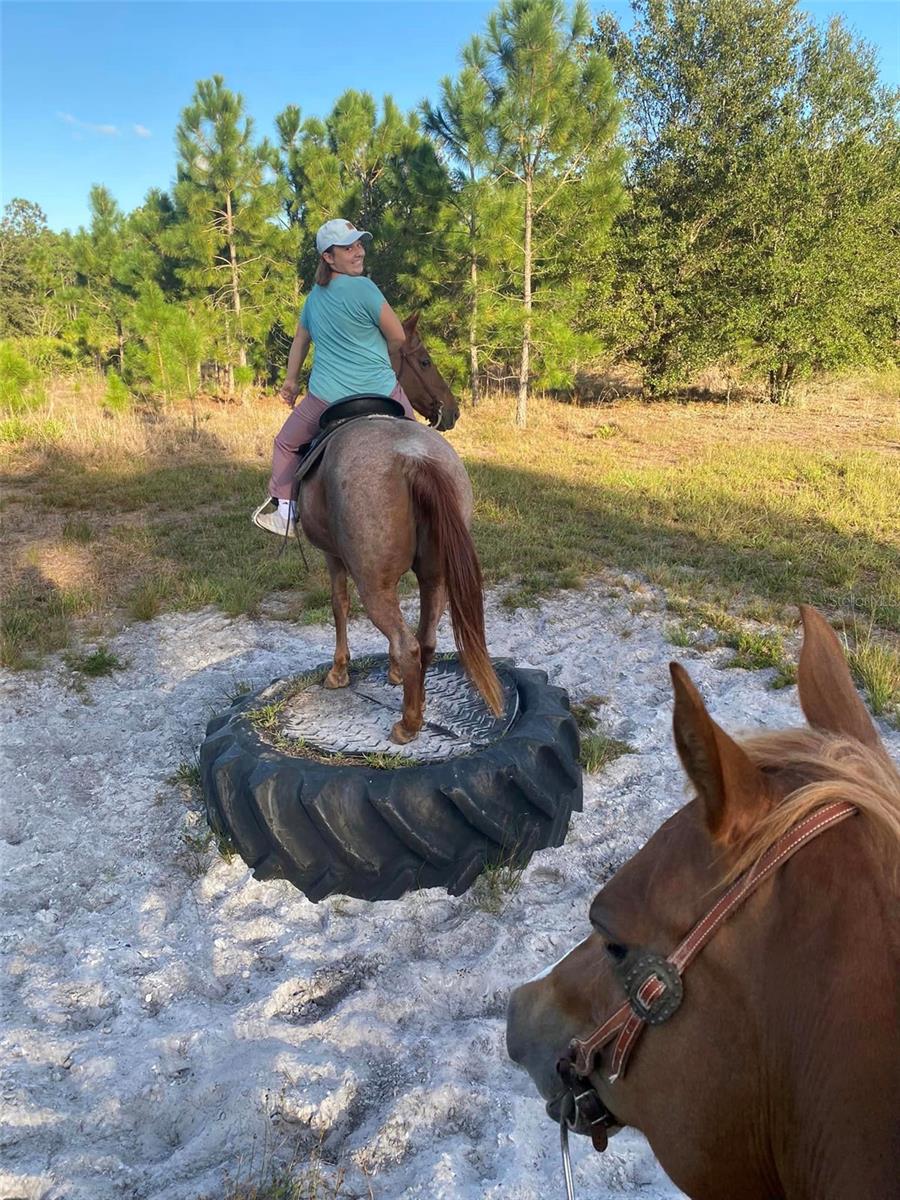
[
  {"x": 407, "y": 359},
  {"x": 653, "y": 984}
]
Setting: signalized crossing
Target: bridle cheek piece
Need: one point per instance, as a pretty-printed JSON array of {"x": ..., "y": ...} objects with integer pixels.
[
  {"x": 437, "y": 405},
  {"x": 654, "y": 989}
]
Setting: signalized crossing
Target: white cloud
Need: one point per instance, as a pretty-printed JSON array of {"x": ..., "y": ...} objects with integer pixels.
[
  {"x": 90, "y": 126},
  {"x": 142, "y": 131}
]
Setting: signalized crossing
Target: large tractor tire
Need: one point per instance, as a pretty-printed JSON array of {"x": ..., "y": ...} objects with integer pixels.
[{"x": 376, "y": 825}]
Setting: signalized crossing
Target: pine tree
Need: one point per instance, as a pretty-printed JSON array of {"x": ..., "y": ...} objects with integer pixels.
[
  {"x": 227, "y": 196},
  {"x": 377, "y": 170},
  {"x": 461, "y": 124},
  {"x": 553, "y": 122},
  {"x": 103, "y": 291}
]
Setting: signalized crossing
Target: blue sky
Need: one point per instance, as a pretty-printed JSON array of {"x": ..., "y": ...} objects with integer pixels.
[{"x": 92, "y": 92}]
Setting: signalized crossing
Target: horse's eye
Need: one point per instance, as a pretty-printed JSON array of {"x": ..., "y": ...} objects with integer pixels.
[
  {"x": 424, "y": 362},
  {"x": 616, "y": 951}
]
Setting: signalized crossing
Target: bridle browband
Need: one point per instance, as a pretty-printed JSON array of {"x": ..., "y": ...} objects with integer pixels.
[
  {"x": 654, "y": 988},
  {"x": 407, "y": 359}
]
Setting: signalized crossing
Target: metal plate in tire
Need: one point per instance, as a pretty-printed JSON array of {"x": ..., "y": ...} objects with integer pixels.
[{"x": 357, "y": 720}]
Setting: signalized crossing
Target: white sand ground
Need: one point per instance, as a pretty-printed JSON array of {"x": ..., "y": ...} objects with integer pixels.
[{"x": 168, "y": 1022}]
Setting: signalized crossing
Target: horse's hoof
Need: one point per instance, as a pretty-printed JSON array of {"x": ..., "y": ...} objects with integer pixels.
[
  {"x": 400, "y": 735},
  {"x": 394, "y": 676},
  {"x": 337, "y": 679}
]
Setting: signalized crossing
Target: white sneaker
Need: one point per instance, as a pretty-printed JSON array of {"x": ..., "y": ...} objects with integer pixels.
[{"x": 272, "y": 521}]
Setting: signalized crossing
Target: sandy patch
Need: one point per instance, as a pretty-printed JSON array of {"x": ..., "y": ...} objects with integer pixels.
[{"x": 167, "y": 1019}]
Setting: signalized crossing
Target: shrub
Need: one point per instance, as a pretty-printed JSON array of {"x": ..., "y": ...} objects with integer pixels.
[
  {"x": 47, "y": 355},
  {"x": 118, "y": 399},
  {"x": 20, "y": 389}
]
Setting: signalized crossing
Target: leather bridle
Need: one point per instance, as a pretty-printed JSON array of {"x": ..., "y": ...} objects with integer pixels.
[
  {"x": 654, "y": 988},
  {"x": 407, "y": 358}
]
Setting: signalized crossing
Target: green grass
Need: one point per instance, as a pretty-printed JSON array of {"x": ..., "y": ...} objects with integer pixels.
[
  {"x": 598, "y": 750},
  {"x": 77, "y": 530},
  {"x": 755, "y": 650},
  {"x": 498, "y": 883},
  {"x": 679, "y": 633},
  {"x": 188, "y": 774},
  {"x": 876, "y": 666},
  {"x": 742, "y": 511},
  {"x": 313, "y": 1180},
  {"x": 197, "y": 846},
  {"x": 100, "y": 661},
  {"x": 35, "y": 621}
]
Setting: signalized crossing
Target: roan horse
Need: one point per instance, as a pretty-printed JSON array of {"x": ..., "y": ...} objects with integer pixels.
[
  {"x": 775, "y": 1074},
  {"x": 389, "y": 496}
]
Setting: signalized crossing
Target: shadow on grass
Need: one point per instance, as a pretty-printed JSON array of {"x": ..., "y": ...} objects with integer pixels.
[
  {"x": 178, "y": 536},
  {"x": 545, "y": 532}
]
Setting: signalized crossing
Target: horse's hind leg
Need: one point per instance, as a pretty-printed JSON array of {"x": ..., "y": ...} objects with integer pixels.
[
  {"x": 339, "y": 676},
  {"x": 432, "y": 602},
  {"x": 384, "y": 612}
]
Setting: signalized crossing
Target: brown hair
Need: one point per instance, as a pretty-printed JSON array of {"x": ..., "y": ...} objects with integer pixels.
[{"x": 323, "y": 272}]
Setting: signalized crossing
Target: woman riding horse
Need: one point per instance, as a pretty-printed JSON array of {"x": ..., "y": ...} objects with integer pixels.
[
  {"x": 386, "y": 497},
  {"x": 358, "y": 340}
]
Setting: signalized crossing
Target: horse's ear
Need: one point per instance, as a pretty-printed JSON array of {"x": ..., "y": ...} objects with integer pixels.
[
  {"x": 411, "y": 323},
  {"x": 732, "y": 789},
  {"x": 827, "y": 696}
]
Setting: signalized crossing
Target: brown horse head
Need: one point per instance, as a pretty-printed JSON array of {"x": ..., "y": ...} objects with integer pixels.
[
  {"x": 428, "y": 391},
  {"x": 777, "y": 1074}
]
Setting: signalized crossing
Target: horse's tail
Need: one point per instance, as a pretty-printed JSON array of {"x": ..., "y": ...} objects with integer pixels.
[{"x": 435, "y": 500}]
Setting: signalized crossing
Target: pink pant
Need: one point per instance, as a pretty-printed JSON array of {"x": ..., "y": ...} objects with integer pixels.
[{"x": 298, "y": 430}]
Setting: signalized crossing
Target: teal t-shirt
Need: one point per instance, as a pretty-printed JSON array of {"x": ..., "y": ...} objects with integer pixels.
[{"x": 350, "y": 351}]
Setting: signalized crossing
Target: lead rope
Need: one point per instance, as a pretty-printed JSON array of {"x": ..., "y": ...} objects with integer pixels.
[{"x": 565, "y": 1109}]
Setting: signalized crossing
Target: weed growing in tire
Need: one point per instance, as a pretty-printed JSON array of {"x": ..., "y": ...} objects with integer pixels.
[{"x": 266, "y": 720}]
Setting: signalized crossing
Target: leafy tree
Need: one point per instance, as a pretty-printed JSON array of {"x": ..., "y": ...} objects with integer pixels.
[
  {"x": 553, "y": 121},
  {"x": 227, "y": 195},
  {"x": 763, "y": 181},
  {"x": 23, "y": 231}
]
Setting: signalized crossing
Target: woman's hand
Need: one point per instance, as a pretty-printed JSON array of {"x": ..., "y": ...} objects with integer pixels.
[{"x": 289, "y": 393}]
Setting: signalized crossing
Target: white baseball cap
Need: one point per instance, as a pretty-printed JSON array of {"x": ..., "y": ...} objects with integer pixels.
[{"x": 339, "y": 232}]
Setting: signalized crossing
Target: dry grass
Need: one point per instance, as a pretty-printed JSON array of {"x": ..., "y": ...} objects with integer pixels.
[{"x": 738, "y": 507}]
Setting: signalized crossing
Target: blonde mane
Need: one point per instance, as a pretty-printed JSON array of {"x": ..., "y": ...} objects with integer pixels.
[{"x": 833, "y": 768}]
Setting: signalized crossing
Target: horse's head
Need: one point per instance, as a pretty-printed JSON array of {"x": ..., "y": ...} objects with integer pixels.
[
  {"x": 428, "y": 391},
  {"x": 695, "y": 1085}
]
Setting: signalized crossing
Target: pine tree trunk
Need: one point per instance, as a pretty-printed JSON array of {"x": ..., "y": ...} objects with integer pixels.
[
  {"x": 120, "y": 335},
  {"x": 235, "y": 289},
  {"x": 473, "y": 336},
  {"x": 162, "y": 371},
  {"x": 525, "y": 365}
]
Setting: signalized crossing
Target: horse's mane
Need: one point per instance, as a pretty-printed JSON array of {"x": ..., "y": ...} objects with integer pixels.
[{"x": 832, "y": 767}]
